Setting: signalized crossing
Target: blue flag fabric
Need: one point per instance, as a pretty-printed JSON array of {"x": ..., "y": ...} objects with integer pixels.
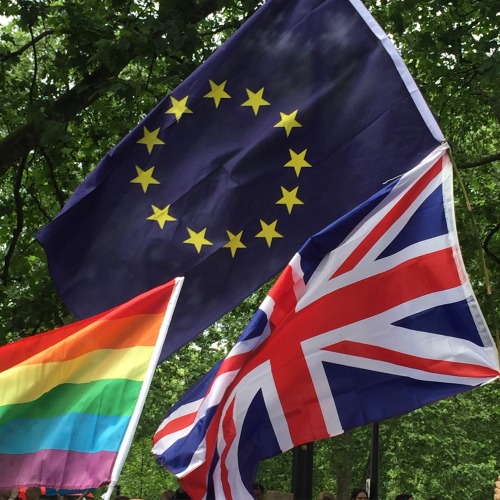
[{"x": 305, "y": 112}]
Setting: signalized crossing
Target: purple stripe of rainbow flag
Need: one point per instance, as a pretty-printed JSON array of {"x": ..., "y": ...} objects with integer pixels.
[
  {"x": 78, "y": 468},
  {"x": 87, "y": 359}
]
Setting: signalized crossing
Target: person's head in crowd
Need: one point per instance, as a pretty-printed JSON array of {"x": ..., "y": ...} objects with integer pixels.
[
  {"x": 258, "y": 491},
  {"x": 404, "y": 496},
  {"x": 167, "y": 495},
  {"x": 13, "y": 494},
  {"x": 359, "y": 494},
  {"x": 33, "y": 493},
  {"x": 5, "y": 494},
  {"x": 180, "y": 493},
  {"x": 326, "y": 495}
]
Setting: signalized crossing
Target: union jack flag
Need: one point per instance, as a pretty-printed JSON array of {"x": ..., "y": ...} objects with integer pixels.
[{"x": 373, "y": 317}]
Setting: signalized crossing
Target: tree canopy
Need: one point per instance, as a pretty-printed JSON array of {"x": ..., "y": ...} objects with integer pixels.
[{"x": 76, "y": 76}]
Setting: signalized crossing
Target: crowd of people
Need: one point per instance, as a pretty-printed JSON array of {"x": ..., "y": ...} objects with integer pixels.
[
  {"x": 34, "y": 493},
  {"x": 362, "y": 494},
  {"x": 31, "y": 493},
  {"x": 356, "y": 494},
  {"x": 259, "y": 493},
  {"x": 41, "y": 493}
]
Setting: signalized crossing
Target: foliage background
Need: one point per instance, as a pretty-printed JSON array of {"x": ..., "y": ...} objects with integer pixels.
[{"x": 76, "y": 76}]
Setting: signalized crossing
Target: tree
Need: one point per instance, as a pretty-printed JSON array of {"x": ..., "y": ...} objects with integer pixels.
[{"x": 76, "y": 76}]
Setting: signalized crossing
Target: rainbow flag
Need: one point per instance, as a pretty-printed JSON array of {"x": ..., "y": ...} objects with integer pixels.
[{"x": 70, "y": 399}]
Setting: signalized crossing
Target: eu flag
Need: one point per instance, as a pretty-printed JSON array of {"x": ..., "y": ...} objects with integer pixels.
[{"x": 306, "y": 111}]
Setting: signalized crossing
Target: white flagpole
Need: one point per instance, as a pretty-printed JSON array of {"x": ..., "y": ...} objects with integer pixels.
[{"x": 134, "y": 420}]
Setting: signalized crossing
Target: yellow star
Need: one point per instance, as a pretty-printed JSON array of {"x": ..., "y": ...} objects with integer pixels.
[
  {"x": 144, "y": 178},
  {"x": 234, "y": 242},
  {"x": 217, "y": 93},
  {"x": 161, "y": 215},
  {"x": 289, "y": 199},
  {"x": 298, "y": 161},
  {"x": 268, "y": 232},
  {"x": 256, "y": 100},
  {"x": 288, "y": 122},
  {"x": 150, "y": 139},
  {"x": 197, "y": 239},
  {"x": 178, "y": 107}
]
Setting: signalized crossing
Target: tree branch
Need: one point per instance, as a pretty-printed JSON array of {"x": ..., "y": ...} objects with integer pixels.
[
  {"x": 486, "y": 244},
  {"x": 27, "y": 137},
  {"x": 26, "y": 46},
  {"x": 16, "y": 233},
  {"x": 52, "y": 175},
  {"x": 480, "y": 161},
  {"x": 35, "y": 68}
]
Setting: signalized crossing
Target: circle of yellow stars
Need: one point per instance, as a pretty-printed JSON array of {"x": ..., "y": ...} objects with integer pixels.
[{"x": 289, "y": 198}]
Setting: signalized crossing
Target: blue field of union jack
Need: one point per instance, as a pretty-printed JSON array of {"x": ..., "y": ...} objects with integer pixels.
[{"x": 373, "y": 318}]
